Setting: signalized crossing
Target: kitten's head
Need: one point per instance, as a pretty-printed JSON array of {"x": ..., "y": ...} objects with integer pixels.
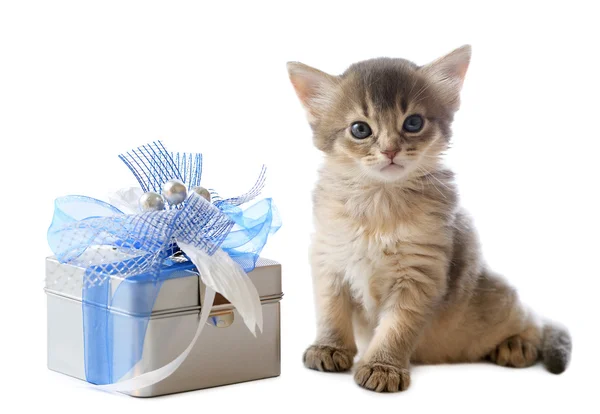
[{"x": 386, "y": 118}]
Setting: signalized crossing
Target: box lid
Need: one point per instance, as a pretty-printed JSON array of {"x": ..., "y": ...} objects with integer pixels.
[{"x": 179, "y": 284}]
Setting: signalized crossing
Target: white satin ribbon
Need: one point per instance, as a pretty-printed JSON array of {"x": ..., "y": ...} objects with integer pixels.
[
  {"x": 126, "y": 199},
  {"x": 157, "y": 375},
  {"x": 221, "y": 273}
]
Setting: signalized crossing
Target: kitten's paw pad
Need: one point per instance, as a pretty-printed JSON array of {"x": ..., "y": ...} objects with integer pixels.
[
  {"x": 515, "y": 352},
  {"x": 327, "y": 358},
  {"x": 382, "y": 378}
]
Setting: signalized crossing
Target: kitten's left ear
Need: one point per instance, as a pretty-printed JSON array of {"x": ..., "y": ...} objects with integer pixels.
[
  {"x": 448, "y": 73},
  {"x": 314, "y": 88}
]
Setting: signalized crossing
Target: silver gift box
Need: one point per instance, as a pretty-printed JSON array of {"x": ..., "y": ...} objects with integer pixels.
[{"x": 225, "y": 353}]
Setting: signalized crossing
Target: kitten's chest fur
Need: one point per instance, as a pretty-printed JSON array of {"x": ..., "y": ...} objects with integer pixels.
[{"x": 363, "y": 233}]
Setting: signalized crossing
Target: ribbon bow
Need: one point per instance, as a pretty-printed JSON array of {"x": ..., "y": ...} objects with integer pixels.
[{"x": 219, "y": 238}]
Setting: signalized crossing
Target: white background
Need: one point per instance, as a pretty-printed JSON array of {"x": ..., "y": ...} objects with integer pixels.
[{"x": 81, "y": 82}]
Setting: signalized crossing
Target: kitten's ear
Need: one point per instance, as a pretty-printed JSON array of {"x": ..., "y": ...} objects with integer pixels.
[
  {"x": 448, "y": 73},
  {"x": 314, "y": 88}
]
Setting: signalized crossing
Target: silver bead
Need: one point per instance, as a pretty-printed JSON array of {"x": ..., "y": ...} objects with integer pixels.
[
  {"x": 202, "y": 192},
  {"x": 174, "y": 191},
  {"x": 151, "y": 201}
]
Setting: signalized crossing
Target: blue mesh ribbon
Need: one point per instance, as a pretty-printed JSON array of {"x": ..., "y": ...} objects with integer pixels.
[{"x": 146, "y": 242}]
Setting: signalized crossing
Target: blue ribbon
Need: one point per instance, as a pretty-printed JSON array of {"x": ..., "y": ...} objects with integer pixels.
[{"x": 113, "y": 341}]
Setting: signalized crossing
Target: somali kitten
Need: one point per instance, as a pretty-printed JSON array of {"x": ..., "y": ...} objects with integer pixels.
[{"x": 395, "y": 261}]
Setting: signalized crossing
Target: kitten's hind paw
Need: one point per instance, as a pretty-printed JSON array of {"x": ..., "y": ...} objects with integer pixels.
[
  {"x": 382, "y": 378},
  {"x": 327, "y": 358},
  {"x": 514, "y": 352}
]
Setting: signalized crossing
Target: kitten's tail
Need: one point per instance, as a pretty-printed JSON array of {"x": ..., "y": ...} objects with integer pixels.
[{"x": 556, "y": 347}]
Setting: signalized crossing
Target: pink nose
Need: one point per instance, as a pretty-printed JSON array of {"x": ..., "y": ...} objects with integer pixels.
[{"x": 390, "y": 153}]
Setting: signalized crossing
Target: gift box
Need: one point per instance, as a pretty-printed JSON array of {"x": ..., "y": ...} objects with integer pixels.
[{"x": 165, "y": 298}]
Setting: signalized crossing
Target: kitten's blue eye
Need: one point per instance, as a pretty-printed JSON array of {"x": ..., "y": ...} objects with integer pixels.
[
  {"x": 413, "y": 123},
  {"x": 360, "y": 130}
]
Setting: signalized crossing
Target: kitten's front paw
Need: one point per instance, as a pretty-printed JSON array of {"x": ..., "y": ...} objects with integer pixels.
[
  {"x": 327, "y": 358},
  {"x": 381, "y": 378}
]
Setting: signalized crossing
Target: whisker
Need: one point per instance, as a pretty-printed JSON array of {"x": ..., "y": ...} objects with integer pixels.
[
  {"x": 429, "y": 156},
  {"x": 427, "y": 176},
  {"x": 421, "y": 91},
  {"x": 438, "y": 180},
  {"x": 413, "y": 86}
]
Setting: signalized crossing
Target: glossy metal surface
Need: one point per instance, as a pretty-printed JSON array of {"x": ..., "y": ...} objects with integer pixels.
[{"x": 226, "y": 352}]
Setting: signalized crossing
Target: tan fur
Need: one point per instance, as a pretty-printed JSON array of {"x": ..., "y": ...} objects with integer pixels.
[{"x": 395, "y": 260}]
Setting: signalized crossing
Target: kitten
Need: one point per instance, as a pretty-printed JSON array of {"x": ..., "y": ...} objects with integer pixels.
[{"x": 396, "y": 263}]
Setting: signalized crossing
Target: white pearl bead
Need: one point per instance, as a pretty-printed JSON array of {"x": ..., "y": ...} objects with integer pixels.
[
  {"x": 174, "y": 191},
  {"x": 151, "y": 201},
  {"x": 202, "y": 192}
]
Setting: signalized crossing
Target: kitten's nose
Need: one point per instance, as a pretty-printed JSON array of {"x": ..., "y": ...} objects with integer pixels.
[{"x": 390, "y": 153}]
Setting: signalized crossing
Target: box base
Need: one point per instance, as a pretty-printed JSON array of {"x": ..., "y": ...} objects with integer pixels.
[{"x": 221, "y": 356}]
